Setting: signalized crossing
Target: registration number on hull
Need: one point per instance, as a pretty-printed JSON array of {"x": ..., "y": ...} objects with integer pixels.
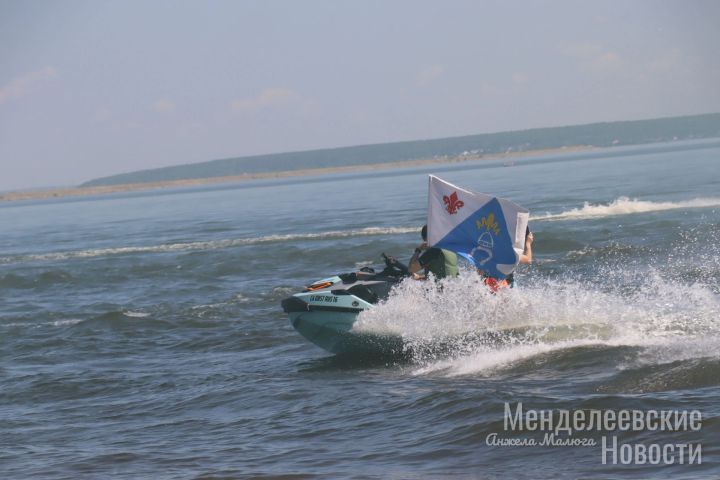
[{"x": 323, "y": 298}]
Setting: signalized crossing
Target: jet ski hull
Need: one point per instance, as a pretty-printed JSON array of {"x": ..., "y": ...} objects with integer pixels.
[
  {"x": 332, "y": 331},
  {"x": 326, "y": 312}
]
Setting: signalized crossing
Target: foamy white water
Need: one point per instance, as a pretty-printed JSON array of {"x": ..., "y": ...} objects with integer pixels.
[
  {"x": 459, "y": 327},
  {"x": 626, "y": 206}
]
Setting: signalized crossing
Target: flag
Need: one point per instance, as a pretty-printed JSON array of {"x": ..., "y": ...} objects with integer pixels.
[{"x": 487, "y": 231}]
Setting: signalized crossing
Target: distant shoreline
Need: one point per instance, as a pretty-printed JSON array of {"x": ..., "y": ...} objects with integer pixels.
[{"x": 137, "y": 187}]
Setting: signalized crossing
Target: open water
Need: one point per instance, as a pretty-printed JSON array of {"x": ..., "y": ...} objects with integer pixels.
[{"x": 141, "y": 335}]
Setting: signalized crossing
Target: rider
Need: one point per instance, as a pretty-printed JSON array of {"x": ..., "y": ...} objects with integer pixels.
[{"x": 440, "y": 262}]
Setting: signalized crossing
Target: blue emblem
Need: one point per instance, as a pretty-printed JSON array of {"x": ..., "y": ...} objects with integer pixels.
[{"x": 483, "y": 240}]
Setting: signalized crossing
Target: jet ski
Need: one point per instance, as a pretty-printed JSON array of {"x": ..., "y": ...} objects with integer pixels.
[{"x": 325, "y": 311}]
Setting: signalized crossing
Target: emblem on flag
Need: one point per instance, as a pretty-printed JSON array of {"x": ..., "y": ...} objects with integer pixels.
[{"x": 452, "y": 204}]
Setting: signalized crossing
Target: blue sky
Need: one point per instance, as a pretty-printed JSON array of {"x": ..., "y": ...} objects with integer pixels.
[{"x": 93, "y": 88}]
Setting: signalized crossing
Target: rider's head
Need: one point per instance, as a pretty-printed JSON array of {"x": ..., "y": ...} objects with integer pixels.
[{"x": 423, "y": 233}]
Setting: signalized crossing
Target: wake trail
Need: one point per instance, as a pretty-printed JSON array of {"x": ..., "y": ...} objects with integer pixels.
[
  {"x": 206, "y": 245},
  {"x": 626, "y": 206}
]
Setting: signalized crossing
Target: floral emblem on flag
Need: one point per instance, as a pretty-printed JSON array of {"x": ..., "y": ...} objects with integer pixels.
[
  {"x": 489, "y": 223},
  {"x": 452, "y": 204}
]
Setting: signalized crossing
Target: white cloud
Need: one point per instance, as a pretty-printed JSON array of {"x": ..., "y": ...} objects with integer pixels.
[
  {"x": 269, "y": 97},
  {"x": 582, "y": 51},
  {"x": 24, "y": 84},
  {"x": 103, "y": 115},
  {"x": 605, "y": 62},
  {"x": 593, "y": 57},
  {"x": 489, "y": 90},
  {"x": 665, "y": 62},
  {"x": 519, "y": 78},
  {"x": 163, "y": 106},
  {"x": 429, "y": 75}
]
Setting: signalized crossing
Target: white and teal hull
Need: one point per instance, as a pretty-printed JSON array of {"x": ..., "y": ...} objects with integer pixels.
[{"x": 325, "y": 316}]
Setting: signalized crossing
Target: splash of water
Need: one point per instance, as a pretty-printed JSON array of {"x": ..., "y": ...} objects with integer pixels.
[{"x": 458, "y": 326}]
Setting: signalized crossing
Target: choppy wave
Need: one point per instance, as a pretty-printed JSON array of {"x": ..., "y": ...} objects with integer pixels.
[
  {"x": 50, "y": 277},
  {"x": 206, "y": 245},
  {"x": 460, "y": 328},
  {"x": 626, "y": 206}
]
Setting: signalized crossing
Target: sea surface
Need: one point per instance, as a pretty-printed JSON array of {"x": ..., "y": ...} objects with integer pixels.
[{"x": 141, "y": 335}]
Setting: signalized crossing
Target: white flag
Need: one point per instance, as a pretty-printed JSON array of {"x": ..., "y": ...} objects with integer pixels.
[{"x": 488, "y": 231}]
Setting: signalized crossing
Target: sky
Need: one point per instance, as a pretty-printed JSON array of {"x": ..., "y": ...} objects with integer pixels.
[{"x": 99, "y": 87}]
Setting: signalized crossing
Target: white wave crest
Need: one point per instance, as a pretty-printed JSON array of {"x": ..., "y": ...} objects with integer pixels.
[
  {"x": 487, "y": 360},
  {"x": 626, "y": 206},
  {"x": 54, "y": 323},
  {"x": 207, "y": 245}
]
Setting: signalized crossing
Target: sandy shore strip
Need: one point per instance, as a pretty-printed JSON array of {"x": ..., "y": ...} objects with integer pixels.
[{"x": 133, "y": 187}]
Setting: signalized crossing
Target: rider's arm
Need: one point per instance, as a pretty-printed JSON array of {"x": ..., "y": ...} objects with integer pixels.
[
  {"x": 527, "y": 257},
  {"x": 414, "y": 265}
]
